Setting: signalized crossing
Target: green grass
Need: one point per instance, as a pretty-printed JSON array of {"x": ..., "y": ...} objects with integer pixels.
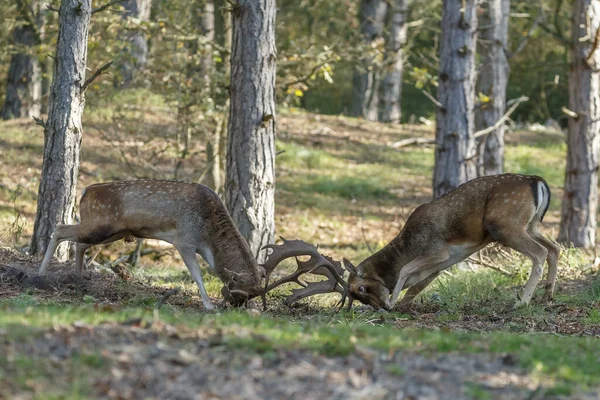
[{"x": 563, "y": 359}]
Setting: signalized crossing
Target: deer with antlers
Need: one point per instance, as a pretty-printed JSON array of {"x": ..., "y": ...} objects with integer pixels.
[
  {"x": 503, "y": 208},
  {"x": 189, "y": 216}
]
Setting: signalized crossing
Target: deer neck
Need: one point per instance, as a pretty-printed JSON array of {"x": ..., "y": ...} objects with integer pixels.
[
  {"x": 387, "y": 262},
  {"x": 232, "y": 255}
]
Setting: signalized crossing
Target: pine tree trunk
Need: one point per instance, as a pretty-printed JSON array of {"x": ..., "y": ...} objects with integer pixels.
[
  {"x": 250, "y": 182},
  {"x": 367, "y": 76},
  {"x": 62, "y": 136},
  {"x": 24, "y": 82},
  {"x": 391, "y": 87},
  {"x": 493, "y": 80},
  {"x": 455, "y": 154},
  {"x": 580, "y": 199},
  {"x": 135, "y": 56}
]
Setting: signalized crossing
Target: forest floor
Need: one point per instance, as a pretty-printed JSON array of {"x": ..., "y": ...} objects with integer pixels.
[{"x": 339, "y": 185}]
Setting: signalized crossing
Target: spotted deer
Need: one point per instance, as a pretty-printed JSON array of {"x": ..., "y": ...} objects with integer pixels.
[
  {"x": 189, "y": 216},
  {"x": 503, "y": 208}
]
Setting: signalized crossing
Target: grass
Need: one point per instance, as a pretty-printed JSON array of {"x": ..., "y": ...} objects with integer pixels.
[{"x": 345, "y": 189}]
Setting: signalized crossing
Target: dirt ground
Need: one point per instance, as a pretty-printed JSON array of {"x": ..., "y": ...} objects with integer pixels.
[{"x": 138, "y": 359}]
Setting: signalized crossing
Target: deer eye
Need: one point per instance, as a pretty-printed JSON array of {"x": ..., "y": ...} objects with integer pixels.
[{"x": 361, "y": 289}]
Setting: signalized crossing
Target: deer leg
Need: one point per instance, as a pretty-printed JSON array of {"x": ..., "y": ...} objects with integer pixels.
[
  {"x": 417, "y": 288},
  {"x": 79, "y": 257},
  {"x": 413, "y": 267},
  {"x": 191, "y": 262},
  {"x": 528, "y": 246},
  {"x": 60, "y": 234},
  {"x": 552, "y": 259}
]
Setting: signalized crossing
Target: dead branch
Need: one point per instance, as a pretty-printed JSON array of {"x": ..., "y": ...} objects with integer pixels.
[
  {"x": 52, "y": 8},
  {"x": 410, "y": 142},
  {"x": 569, "y": 113},
  {"x": 166, "y": 296},
  {"x": 40, "y": 122},
  {"x": 96, "y": 74},
  {"x": 105, "y": 6},
  {"x": 502, "y": 119},
  {"x": 489, "y": 265},
  {"x": 433, "y": 99}
]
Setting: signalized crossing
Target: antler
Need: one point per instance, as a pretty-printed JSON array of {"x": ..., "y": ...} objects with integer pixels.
[{"x": 317, "y": 264}]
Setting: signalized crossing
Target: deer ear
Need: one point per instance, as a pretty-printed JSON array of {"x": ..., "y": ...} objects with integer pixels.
[{"x": 349, "y": 267}]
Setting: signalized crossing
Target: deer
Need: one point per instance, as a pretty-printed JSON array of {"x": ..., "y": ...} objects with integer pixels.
[
  {"x": 505, "y": 209},
  {"x": 189, "y": 216}
]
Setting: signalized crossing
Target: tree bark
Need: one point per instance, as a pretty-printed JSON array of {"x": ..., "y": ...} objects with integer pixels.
[
  {"x": 250, "y": 182},
  {"x": 391, "y": 87},
  {"x": 24, "y": 81},
  {"x": 135, "y": 56},
  {"x": 493, "y": 80},
  {"x": 580, "y": 199},
  {"x": 62, "y": 135},
  {"x": 367, "y": 75},
  {"x": 455, "y": 154}
]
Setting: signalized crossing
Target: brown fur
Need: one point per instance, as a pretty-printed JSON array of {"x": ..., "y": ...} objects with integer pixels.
[
  {"x": 190, "y": 216},
  {"x": 501, "y": 208}
]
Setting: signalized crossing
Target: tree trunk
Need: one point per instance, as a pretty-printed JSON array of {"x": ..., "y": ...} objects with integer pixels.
[
  {"x": 580, "y": 199},
  {"x": 367, "y": 76},
  {"x": 24, "y": 83},
  {"x": 391, "y": 89},
  {"x": 493, "y": 80},
  {"x": 135, "y": 56},
  {"x": 62, "y": 135},
  {"x": 455, "y": 154},
  {"x": 250, "y": 182}
]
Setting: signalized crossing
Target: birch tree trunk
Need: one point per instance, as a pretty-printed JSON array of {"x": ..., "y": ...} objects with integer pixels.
[
  {"x": 455, "y": 154},
  {"x": 250, "y": 182},
  {"x": 367, "y": 75},
  {"x": 135, "y": 56},
  {"x": 391, "y": 87},
  {"x": 62, "y": 135},
  {"x": 493, "y": 80},
  {"x": 580, "y": 199},
  {"x": 24, "y": 81}
]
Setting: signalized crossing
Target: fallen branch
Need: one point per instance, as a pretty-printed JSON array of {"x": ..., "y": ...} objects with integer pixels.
[
  {"x": 96, "y": 74},
  {"x": 410, "y": 142},
  {"x": 502, "y": 119},
  {"x": 490, "y": 266},
  {"x": 166, "y": 296}
]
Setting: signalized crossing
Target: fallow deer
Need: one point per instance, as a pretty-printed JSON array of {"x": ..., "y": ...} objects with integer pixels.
[
  {"x": 189, "y": 216},
  {"x": 503, "y": 208}
]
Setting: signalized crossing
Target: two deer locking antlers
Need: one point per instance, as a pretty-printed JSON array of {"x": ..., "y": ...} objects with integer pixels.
[{"x": 503, "y": 208}]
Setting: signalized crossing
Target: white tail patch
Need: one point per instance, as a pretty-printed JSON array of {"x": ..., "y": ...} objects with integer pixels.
[{"x": 543, "y": 199}]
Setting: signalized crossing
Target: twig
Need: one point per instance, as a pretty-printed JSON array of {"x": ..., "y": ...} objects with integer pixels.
[
  {"x": 96, "y": 74},
  {"x": 489, "y": 265},
  {"x": 40, "y": 122},
  {"x": 523, "y": 42},
  {"x": 52, "y": 8},
  {"x": 433, "y": 99},
  {"x": 502, "y": 119},
  {"x": 104, "y": 7},
  {"x": 166, "y": 296}
]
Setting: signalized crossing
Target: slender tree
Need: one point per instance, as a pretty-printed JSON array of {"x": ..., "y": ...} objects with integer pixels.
[
  {"x": 135, "y": 55},
  {"x": 580, "y": 198},
  {"x": 24, "y": 81},
  {"x": 455, "y": 154},
  {"x": 63, "y": 131},
  {"x": 250, "y": 176},
  {"x": 367, "y": 76},
  {"x": 391, "y": 87},
  {"x": 493, "y": 79}
]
